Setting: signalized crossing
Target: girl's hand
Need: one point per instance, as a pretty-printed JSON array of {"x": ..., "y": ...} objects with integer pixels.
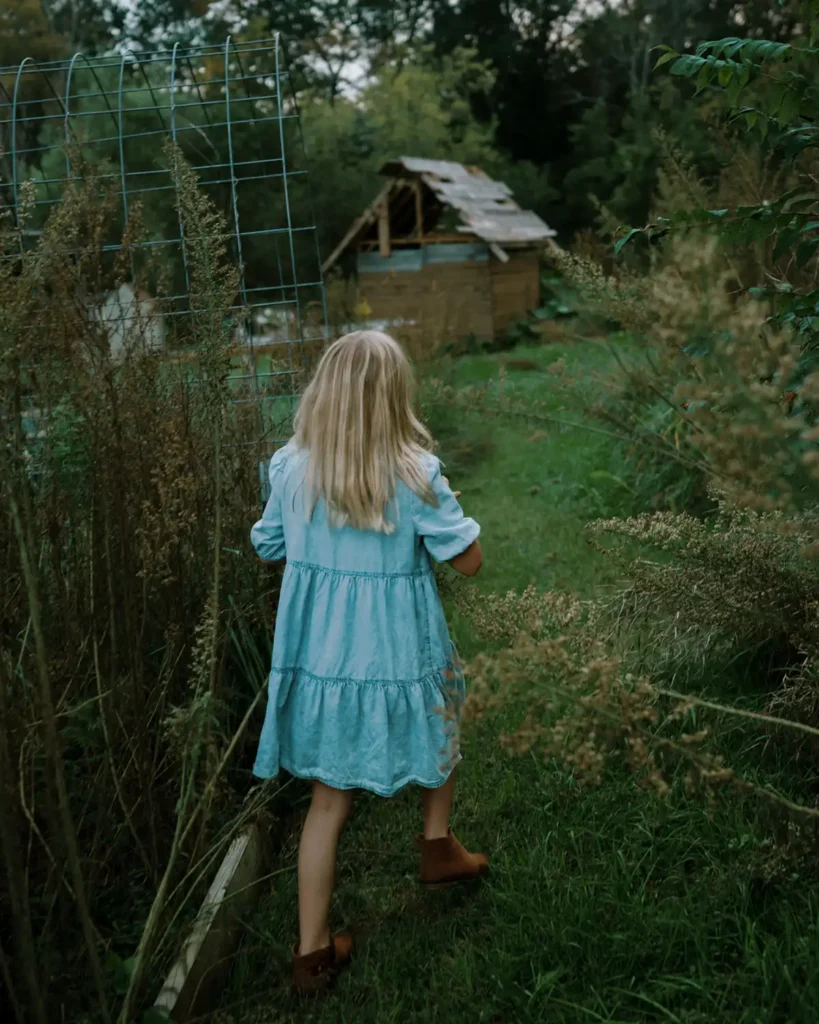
[{"x": 456, "y": 493}]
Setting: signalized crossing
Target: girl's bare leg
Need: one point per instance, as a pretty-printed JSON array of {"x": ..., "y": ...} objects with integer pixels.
[
  {"x": 325, "y": 820},
  {"x": 437, "y": 805}
]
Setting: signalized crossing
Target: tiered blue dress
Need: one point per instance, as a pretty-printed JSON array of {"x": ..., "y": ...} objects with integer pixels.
[{"x": 365, "y": 685}]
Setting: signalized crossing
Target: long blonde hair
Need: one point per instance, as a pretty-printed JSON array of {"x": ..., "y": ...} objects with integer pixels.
[{"x": 357, "y": 423}]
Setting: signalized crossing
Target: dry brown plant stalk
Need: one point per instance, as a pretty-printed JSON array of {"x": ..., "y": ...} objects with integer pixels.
[{"x": 125, "y": 589}]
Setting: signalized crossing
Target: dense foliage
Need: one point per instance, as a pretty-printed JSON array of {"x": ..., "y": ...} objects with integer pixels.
[
  {"x": 563, "y": 89},
  {"x": 716, "y": 384}
]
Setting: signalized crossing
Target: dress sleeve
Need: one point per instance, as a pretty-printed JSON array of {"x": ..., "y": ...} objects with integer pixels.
[
  {"x": 267, "y": 536},
  {"x": 445, "y": 530}
]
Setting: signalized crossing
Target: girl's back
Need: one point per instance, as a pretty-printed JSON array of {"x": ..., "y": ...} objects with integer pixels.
[
  {"x": 360, "y": 622},
  {"x": 314, "y": 540}
]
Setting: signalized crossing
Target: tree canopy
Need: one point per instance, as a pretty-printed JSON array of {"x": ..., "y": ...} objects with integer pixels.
[{"x": 558, "y": 96}]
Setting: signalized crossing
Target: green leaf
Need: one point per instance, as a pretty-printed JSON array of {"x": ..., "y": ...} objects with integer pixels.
[
  {"x": 623, "y": 242},
  {"x": 121, "y": 970},
  {"x": 666, "y": 59},
  {"x": 603, "y": 474},
  {"x": 734, "y": 91},
  {"x": 687, "y": 66},
  {"x": 806, "y": 250},
  {"x": 757, "y": 50},
  {"x": 797, "y": 199},
  {"x": 706, "y": 74},
  {"x": 154, "y": 1016},
  {"x": 798, "y": 139},
  {"x": 719, "y": 46},
  {"x": 784, "y": 241},
  {"x": 764, "y": 49},
  {"x": 789, "y": 109},
  {"x": 725, "y": 75}
]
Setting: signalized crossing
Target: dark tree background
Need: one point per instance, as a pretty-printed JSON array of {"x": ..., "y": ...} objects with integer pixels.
[{"x": 558, "y": 96}]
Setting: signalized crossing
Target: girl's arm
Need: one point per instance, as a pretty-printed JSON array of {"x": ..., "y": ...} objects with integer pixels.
[
  {"x": 469, "y": 562},
  {"x": 449, "y": 536},
  {"x": 267, "y": 536}
]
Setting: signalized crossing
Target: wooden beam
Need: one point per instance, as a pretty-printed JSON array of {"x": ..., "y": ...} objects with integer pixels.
[
  {"x": 419, "y": 210},
  {"x": 384, "y": 229},
  {"x": 366, "y": 218}
]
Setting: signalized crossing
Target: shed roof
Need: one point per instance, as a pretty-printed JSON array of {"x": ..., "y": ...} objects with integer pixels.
[{"x": 485, "y": 207}]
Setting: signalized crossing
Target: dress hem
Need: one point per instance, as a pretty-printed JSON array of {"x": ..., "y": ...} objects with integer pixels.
[{"x": 371, "y": 787}]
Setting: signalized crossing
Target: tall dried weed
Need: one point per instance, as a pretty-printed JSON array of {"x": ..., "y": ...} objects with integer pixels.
[{"x": 127, "y": 592}]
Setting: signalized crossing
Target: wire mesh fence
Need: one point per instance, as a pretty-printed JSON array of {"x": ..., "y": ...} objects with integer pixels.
[{"x": 233, "y": 116}]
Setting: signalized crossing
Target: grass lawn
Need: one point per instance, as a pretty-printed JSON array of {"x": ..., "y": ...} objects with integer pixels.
[{"x": 603, "y": 904}]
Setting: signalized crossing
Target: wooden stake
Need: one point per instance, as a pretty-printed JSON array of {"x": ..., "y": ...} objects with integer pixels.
[
  {"x": 384, "y": 230},
  {"x": 419, "y": 211}
]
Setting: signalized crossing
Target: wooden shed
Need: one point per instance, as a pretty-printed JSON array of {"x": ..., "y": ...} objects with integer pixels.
[{"x": 445, "y": 250}]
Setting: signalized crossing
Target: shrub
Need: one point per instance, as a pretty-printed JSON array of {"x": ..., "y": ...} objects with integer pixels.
[
  {"x": 588, "y": 708},
  {"x": 717, "y": 387},
  {"x": 734, "y": 584}
]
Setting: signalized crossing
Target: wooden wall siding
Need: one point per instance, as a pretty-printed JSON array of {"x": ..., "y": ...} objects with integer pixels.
[
  {"x": 447, "y": 301},
  {"x": 515, "y": 288}
]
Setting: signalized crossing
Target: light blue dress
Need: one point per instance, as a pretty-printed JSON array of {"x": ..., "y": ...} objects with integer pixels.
[{"x": 365, "y": 687}]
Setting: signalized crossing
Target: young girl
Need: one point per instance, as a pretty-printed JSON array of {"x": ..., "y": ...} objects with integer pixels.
[{"x": 365, "y": 685}]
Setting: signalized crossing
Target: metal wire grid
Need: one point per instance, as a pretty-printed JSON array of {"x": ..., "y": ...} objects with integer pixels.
[{"x": 231, "y": 111}]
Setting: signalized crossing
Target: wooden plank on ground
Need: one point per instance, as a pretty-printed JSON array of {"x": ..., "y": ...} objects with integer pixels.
[{"x": 214, "y": 937}]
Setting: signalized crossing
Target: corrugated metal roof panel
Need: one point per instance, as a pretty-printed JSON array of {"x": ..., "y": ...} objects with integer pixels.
[
  {"x": 486, "y": 207},
  {"x": 506, "y": 227},
  {"x": 440, "y": 168},
  {"x": 478, "y": 190}
]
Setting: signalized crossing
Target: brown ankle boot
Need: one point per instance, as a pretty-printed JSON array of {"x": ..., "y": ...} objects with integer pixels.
[
  {"x": 445, "y": 861},
  {"x": 314, "y": 973}
]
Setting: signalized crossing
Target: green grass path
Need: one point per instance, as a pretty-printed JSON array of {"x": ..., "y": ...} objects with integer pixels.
[{"x": 603, "y": 905}]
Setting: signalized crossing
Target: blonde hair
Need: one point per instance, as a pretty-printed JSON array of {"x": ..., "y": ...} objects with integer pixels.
[{"x": 357, "y": 423}]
